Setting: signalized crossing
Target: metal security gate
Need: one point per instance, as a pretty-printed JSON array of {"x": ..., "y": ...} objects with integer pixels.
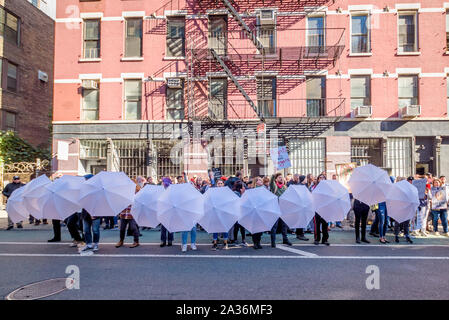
[
  {"x": 399, "y": 156},
  {"x": 169, "y": 158},
  {"x": 132, "y": 156},
  {"x": 307, "y": 155},
  {"x": 365, "y": 150}
]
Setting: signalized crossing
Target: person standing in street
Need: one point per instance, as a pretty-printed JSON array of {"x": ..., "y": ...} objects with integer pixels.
[
  {"x": 298, "y": 180},
  {"x": 403, "y": 225},
  {"x": 165, "y": 235},
  {"x": 278, "y": 187},
  {"x": 91, "y": 225},
  {"x": 7, "y": 191},
  {"x": 361, "y": 216},
  {"x": 319, "y": 222},
  {"x": 127, "y": 220},
  {"x": 257, "y": 183}
]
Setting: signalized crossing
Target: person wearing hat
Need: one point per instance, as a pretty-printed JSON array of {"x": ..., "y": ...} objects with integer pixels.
[
  {"x": 7, "y": 192},
  {"x": 403, "y": 225}
]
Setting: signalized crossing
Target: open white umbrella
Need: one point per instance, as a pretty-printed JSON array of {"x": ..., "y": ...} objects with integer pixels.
[
  {"x": 370, "y": 184},
  {"x": 107, "y": 194},
  {"x": 402, "y": 201},
  {"x": 221, "y": 210},
  {"x": 33, "y": 190},
  {"x": 144, "y": 209},
  {"x": 297, "y": 207},
  {"x": 15, "y": 206},
  {"x": 331, "y": 200},
  {"x": 180, "y": 207},
  {"x": 59, "y": 199},
  {"x": 259, "y": 210}
]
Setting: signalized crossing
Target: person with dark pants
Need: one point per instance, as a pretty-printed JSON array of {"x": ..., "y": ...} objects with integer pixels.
[
  {"x": 238, "y": 227},
  {"x": 127, "y": 220},
  {"x": 7, "y": 191},
  {"x": 278, "y": 187},
  {"x": 56, "y": 231},
  {"x": 164, "y": 233},
  {"x": 298, "y": 180},
  {"x": 74, "y": 227},
  {"x": 374, "y": 230},
  {"x": 284, "y": 228},
  {"x": 361, "y": 216},
  {"x": 404, "y": 226},
  {"x": 320, "y": 222},
  {"x": 256, "y": 240}
]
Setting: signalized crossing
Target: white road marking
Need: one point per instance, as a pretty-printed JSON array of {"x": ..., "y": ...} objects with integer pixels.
[
  {"x": 223, "y": 256},
  {"x": 289, "y": 249}
]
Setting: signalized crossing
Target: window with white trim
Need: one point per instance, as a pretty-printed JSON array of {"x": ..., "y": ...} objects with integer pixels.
[
  {"x": 176, "y": 37},
  {"x": 316, "y": 41},
  {"x": 91, "y": 39},
  {"x": 91, "y": 100},
  {"x": 175, "y": 102},
  {"x": 408, "y": 32},
  {"x": 360, "y": 35},
  {"x": 133, "y": 99},
  {"x": 408, "y": 90},
  {"x": 360, "y": 91},
  {"x": 133, "y": 39}
]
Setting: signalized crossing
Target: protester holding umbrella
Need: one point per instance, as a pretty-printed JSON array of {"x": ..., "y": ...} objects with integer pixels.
[
  {"x": 361, "y": 210},
  {"x": 166, "y": 182},
  {"x": 126, "y": 219},
  {"x": 320, "y": 222},
  {"x": 278, "y": 187},
  {"x": 91, "y": 225},
  {"x": 298, "y": 180},
  {"x": 7, "y": 191},
  {"x": 219, "y": 184},
  {"x": 239, "y": 189},
  {"x": 257, "y": 183},
  {"x": 403, "y": 225}
]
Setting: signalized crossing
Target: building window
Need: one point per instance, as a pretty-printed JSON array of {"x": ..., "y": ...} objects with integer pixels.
[
  {"x": 447, "y": 30},
  {"x": 91, "y": 39},
  {"x": 316, "y": 93},
  {"x": 266, "y": 96},
  {"x": 315, "y": 35},
  {"x": 399, "y": 155},
  {"x": 12, "y": 77},
  {"x": 9, "y": 26},
  {"x": 360, "y": 40},
  {"x": 9, "y": 121},
  {"x": 133, "y": 99},
  {"x": 447, "y": 95},
  {"x": 35, "y": 3},
  {"x": 176, "y": 37},
  {"x": 307, "y": 155},
  {"x": 91, "y": 100},
  {"x": 218, "y": 92},
  {"x": 408, "y": 33},
  {"x": 218, "y": 33},
  {"x": 366, "y": 150},
  {"x": 360, "y": 91},
  {"x": 133, "y": 40},
  {"x": 267, "y": 37},
  {"x": 175, "y": 100},
  {"x": 408, "y": 90}
]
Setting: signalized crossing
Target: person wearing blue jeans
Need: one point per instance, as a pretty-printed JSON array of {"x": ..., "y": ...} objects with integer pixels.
[
  {"x": 192, "y": 239},
  {"x": 215, "y": 240},
  {"x": 164, "y": 233},
  {"x": 442, "y": 215},
  {"x": 91, "y": 226},
  {"x": 382, "y": 222}
]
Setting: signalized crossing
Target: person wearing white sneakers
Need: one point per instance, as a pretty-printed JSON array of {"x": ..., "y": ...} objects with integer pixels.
[
  {"x": 192, "y": 239},
  {"x": 439, "y": 210}
]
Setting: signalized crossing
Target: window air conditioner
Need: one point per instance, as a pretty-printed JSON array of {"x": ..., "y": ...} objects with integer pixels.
[
  {"x": 410, "y": 111},
  {"x": 43, "y": 76},
  {"x": 174, "y": 83},
  {"x": 90, "y": 84},
  {"x": 266, "y": 17},
  {"x": 363, "y": 112}
]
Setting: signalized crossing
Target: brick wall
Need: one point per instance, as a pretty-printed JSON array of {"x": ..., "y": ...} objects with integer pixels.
[{"x": 33, "y": 100}]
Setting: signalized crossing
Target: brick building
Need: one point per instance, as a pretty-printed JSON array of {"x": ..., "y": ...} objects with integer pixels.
[
  {"x": 341, "y": 81},
  {"x": 27, "y": 59}
]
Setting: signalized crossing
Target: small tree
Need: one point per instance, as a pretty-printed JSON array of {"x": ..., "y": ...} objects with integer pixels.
[{"x": 15, "y": 149}]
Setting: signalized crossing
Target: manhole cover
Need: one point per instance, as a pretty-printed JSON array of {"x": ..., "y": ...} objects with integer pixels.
[{"x": 38, "y": 290}]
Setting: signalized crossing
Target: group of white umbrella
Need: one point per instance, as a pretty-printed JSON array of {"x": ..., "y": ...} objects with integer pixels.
[{"x": 181, "y": 206}]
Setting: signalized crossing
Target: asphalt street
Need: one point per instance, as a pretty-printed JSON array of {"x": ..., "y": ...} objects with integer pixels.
[{"x": 303, "y": 271}]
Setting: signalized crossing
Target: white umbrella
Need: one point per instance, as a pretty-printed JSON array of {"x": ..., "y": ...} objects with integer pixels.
[
  {"x": 259, "y": 210},
  {"x": 33, "y": 190},
  {"x": 143, "y": 209},
  {"x": 297, "y": 207},
  {"x": 402, "y": 201},
  {"x": 180, "y": 207},
  {"x": 221, "y": 210},
  {"x": 15, "y": 206},
  {"x": 370, "y": 184},
  {"x": 331, "y": 200},
  {"x": 107, "y": 194},
  {"x": 59, "y": 199}
]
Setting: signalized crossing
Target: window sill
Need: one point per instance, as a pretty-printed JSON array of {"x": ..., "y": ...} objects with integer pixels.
[
  {"x": 132, "y": 59},
  {"x": 408, "y": 53},
  {"x": 367, "y": 54},
  {"x": 174, "y": 58},
  {"x": 90, "y": 60}
]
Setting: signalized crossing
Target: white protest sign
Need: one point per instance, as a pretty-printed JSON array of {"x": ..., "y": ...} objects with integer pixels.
[
  {"x": 280, "y": 158},
  {"x": 63, "y": 150}
]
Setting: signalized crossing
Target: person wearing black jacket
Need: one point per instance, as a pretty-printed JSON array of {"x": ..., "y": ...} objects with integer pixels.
[
  {"x": 361, "y": 216},
  {"x": 7, "y": 191}
]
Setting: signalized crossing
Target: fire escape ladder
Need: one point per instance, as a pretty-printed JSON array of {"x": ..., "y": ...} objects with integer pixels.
[
  {"x": 234, "y": 80},
  {"x": 243, "y": 25}
]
